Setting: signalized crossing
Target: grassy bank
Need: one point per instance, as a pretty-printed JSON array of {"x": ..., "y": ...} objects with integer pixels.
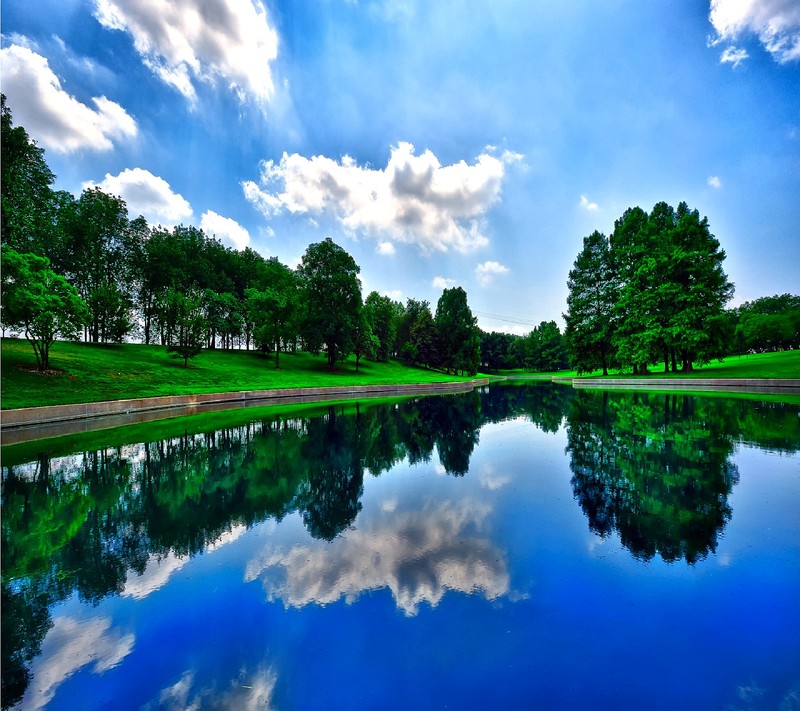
[
  {"x": 785, "y": 364},
  {"x": 89, "y": 373}
]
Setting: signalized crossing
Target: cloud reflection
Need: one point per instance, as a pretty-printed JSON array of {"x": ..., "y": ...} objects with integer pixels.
[
  {"x": 417, "y": 555},
  {"x": 248, "y": 692},
  {"x": 70, "y": 645}
]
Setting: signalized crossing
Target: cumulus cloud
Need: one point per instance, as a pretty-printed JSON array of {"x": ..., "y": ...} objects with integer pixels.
[
  {"x": 732, "y": 55},
  {"x": 440, "y": 282},
  {"x": 70, "y": 645},
  {"x": 587, "y": 205},
  {"x": 414, "y": 200},
  {"x": 55, "y": 119},
  {"x": 775, "y": 22},
  {"x": 487, "y": 271},
  {"x": 146, "y": 194},
  {"x": 715, "y": 182},
  {"x": 189, "y": 41},
  {"x": 225, "y": 229},
  {"x": 418, "y": 555}
]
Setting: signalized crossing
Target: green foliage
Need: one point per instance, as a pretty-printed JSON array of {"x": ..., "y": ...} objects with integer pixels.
[
  {"x": 545, "y": 349},
  {"x": 458, "y": 336},
  {"x": 590, "y": 304},
  {"x": 29, "y": 204},
  {"x": 39, "y": 302},
  {"x": 332, "y": 300},
  {"x": 383, "y": 315},
  {"x": 770, "y": 323},
  {"x": 654, "y": 291},
  {"x": 185, "y": 325}
]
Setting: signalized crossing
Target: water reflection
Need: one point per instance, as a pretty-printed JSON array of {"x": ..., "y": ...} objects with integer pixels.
[
  {"x": 123, "y": 520},
  {"x": 417, "y": 555},
  {"x": 654, "y": 468}
]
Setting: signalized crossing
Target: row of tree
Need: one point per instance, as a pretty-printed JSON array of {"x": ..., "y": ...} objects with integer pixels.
[{"x": 79, "y": 267}]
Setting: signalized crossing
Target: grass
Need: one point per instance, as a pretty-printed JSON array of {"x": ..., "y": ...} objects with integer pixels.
[
  {"x": 784, "y": 364},
  {"x": 94, "y": 372}
]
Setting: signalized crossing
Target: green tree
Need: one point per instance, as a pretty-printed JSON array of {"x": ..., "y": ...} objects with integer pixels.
[
  {"x": 590, "y": 305},
  {"x": 98, "y": 257},
  {"x": 39, "y": 302},
  {"x": 365, "y": 342},
  {"x": 272, "y": 307},
  {"x": 545, "y": 349},
  {"x": 29, "y": 204},
  {"x": 332, "y": 298},
  {"x": 185, "y": 325},
  {"x": 383, "y": 315},
  {"x": 457, "y": 332}
]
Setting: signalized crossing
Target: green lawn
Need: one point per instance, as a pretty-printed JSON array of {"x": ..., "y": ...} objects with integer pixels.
[
  {"x": 785, "y": 364},
  {"x": 96, "y": 372}
]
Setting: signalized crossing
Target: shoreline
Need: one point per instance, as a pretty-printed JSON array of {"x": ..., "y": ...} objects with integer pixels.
[
  {"x": 28, "y": 424},
  {"x": 31, "y": 423}
]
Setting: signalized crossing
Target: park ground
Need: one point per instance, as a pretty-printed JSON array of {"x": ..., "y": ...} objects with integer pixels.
[{"x": 82, "y": 372}]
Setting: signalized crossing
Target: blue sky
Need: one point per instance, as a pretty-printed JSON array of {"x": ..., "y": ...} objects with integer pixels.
[{"x": 471, "y": 143}]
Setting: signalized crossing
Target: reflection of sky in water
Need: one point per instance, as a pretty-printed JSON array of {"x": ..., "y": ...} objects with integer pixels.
[
  {"x": 417, "y": 555},
  {"x": 487, "y": 590}
]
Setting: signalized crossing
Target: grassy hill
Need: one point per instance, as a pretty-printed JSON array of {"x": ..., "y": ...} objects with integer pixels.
[{"x": 89, "y": 372}]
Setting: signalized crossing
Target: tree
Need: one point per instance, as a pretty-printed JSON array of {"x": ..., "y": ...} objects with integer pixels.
[
  {"x": 29, "y": 205},
  {"x": 272, "y": 307},
  {"x": 332, "y": 297},
  {"x": 98, "y": 256},
  {"x": 185, "y": 325},
  {"x": 383, "y": 315},
  {"x": 457, "y": 332},
  {"x": 39, "y": 302},
  {"x": 365, "y": 342},
  {"x": 590, "y": 306},
  {"x": 544, "y": 348}
]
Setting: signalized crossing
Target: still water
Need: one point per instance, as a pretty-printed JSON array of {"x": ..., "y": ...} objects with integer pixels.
[{"x": 514, "y": 547}]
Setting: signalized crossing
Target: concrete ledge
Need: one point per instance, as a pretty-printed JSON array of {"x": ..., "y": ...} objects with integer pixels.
[
  {"x": 29, "y": 423},
  {"x": 768, "y": 386}
]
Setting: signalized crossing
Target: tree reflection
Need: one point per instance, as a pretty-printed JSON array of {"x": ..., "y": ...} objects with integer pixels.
[{"x": 655, "y": 468}]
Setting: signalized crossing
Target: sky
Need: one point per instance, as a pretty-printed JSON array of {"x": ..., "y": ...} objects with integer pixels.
[{"x": 457, "y": 142}]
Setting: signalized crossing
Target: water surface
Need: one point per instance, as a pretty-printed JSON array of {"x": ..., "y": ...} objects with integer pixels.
[{"x": 518, "y": 546}]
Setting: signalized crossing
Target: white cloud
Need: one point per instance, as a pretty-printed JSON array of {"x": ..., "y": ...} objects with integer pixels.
[
  {"x": 732, "y": 55},
  {"x": 386, "y": 249},
  {"x": 225, "y": 229},
  {"x": 146, "y": 194},
  {"x": 590, "y": 206},
  {"x": 394, "y": 294},
  {"x": 775, "y": 22},
  {"x": 50, "y": 115},
  {"x": 70, "y": 645},
  {"x": 186, "y": 41},
  {"x": 418, "y": 555},
  {"x": 440, "y": 282},
  {"x": 489, "y": 270},
  {"x": 715, "y": 182},
  {"x": 413, "y": 200}
]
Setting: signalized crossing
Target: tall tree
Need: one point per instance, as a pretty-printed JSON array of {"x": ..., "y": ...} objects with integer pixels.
[
  {"x": 273, "y": 307},
  {"x": 332, "y": 297},
  {"x": 29, "y": 204},
  {"x": 186, "y": 327},
  {"x": 590, "y": 305},
  {"x": 383, "y": 315},
  {"x": 97, "y": 235},
  {"x": 457, "y": 331}
]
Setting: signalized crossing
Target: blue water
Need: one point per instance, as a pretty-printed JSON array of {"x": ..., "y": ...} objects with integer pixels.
[{"x": 487, "y": 590}]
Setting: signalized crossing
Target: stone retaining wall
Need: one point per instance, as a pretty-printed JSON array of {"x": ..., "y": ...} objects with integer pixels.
[
  {"x": 29, "y": 423},
  {"x": 776, "y": 386}
]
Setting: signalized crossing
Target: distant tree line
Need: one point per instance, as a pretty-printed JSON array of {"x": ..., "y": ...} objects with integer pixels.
[{"x": 79, "y": 267}]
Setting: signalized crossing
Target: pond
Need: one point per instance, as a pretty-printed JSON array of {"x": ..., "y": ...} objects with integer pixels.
[{"x": 519, "y": 546}]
